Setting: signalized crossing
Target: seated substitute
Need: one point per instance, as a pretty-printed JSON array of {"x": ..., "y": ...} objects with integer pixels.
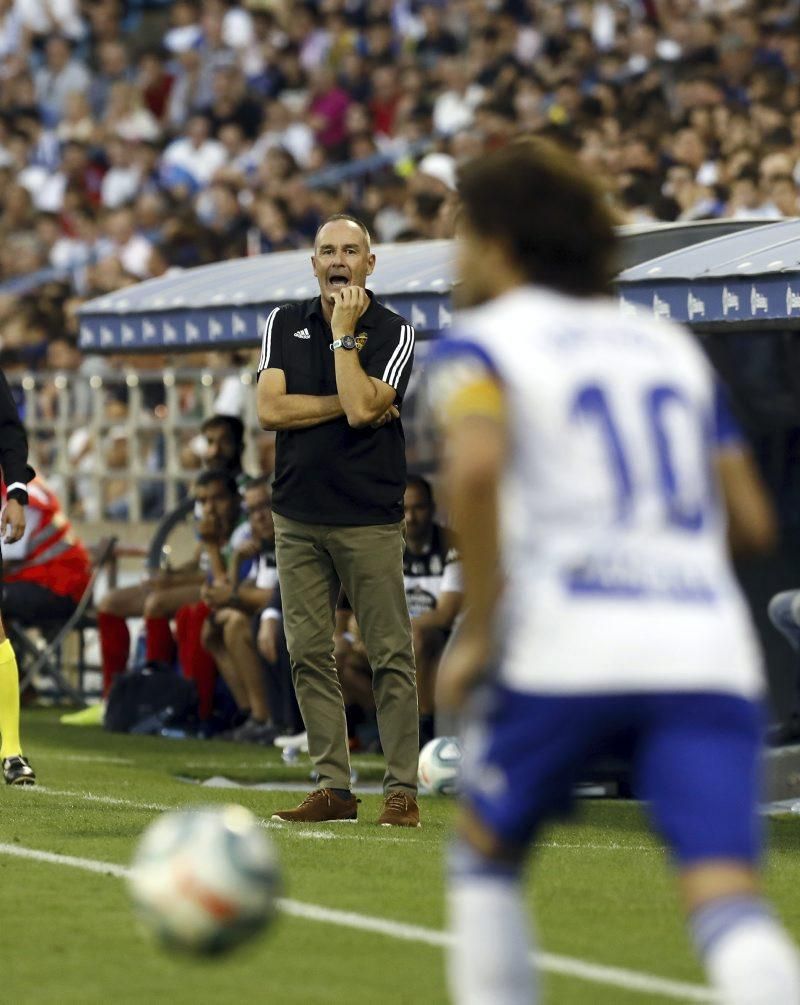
[
  {"x": 272, "y": 648},
  {"x": 217, "y": 510},
  {"x": 432, "y": 577},
  {"x": 432, "y": 574},
  {"x": 159, "y": 595},
  {"x": 229, "y": 631}
]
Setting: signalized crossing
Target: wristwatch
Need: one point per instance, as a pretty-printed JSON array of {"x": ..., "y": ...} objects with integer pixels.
[{"x": 345, "y": 342}]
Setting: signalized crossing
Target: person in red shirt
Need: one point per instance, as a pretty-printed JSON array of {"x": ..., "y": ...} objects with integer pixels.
[{"x": 47, "y": 570}]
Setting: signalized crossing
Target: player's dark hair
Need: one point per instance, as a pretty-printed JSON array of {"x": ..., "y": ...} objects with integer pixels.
[
  {"x": 232, "y": 423},
  {"x": 350, "y": 219},
  {"x": 535, "y": 198},
  {"x": 418, "y": 482},
  {"x": 218, "y": 475}
]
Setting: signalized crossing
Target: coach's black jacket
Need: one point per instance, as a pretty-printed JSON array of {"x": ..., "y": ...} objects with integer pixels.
[
  {"x": 13, "y": 447},
  {"x": 330, "y": 473}
]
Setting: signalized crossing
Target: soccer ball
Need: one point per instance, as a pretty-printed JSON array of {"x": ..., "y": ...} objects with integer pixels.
[
  {"x": 205, "y": 879},
  {"x": 439, "y": 762}
]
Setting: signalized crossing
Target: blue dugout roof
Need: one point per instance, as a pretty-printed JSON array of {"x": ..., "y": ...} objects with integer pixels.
[
  {"x": 226, "y": 304},
  {"x": 749, "y": 279}
]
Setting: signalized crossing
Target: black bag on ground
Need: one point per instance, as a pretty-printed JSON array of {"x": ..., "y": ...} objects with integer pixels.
[{"x": 146, "y": 699}]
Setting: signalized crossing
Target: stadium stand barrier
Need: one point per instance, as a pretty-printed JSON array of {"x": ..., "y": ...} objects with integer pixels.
[{"x": 155, "y": 415}]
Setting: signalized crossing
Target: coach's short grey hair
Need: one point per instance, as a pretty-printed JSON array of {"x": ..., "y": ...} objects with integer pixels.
[{"x": 351, "y": 219}]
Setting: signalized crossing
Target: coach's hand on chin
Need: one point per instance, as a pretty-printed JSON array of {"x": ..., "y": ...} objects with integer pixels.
[
  {"x": 348, "y": 306},
  {"x": 461, "y": 670}
]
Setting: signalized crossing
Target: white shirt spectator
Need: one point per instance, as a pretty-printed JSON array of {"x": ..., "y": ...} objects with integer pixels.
[
  {"x": 46, "y": 189},
  {"x": 200, "y": 162},
  {"x": 139, "y": 125},
  {"x": 10, "y": 34},
  {"x": 69, "y": 253},
  {"x": 53, "y": 88},
  {"x": 119, "y": 185},
  {"x": 237, "y": 28},
  {"x": 42, "y": 17},
  {"x": 135, "y": 256},
  {"x": 297, "y": 138},
  {"x": 183, "y": 38},
  {"x": 455, "y": 110}
]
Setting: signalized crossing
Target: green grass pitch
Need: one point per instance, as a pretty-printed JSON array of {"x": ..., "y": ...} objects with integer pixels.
[{"x": 600, "y": 889}]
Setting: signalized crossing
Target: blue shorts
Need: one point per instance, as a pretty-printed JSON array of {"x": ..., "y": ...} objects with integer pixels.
[{"x": 695, "y": 758}]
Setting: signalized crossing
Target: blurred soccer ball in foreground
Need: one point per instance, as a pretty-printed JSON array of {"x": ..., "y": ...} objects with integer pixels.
[
  {"x": 204, "y": 879},
  {"x": 439, "y": 763}
]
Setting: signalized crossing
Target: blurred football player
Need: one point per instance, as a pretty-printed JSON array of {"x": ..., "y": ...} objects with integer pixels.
[{"x": 590, "y": 462}]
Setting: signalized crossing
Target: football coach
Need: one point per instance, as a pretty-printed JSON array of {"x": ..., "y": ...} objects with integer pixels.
[{"x": 332, "y": 376}]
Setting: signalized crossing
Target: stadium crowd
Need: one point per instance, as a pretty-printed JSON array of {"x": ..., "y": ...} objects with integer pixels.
[{"x": 142, "y": 137}]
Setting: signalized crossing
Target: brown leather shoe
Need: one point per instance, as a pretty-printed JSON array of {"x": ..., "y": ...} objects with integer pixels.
[
  {"x": 321, "y": 806},
  {"x": 399, "y": 810}
]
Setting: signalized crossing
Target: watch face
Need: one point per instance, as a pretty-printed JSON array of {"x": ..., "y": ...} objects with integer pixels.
[{"x": 348, "y": 342}]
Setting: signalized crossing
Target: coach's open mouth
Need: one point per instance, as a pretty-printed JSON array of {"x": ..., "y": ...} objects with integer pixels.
[{"x": 338, "y": 279}]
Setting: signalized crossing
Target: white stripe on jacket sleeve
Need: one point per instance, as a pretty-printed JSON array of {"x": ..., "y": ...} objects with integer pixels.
[
  {"x": 266, "y": 343},
  {"x": 400, "y": 357}
]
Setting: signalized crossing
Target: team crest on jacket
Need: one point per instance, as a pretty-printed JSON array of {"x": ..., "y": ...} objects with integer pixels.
[{"x": 361, "y": 341}]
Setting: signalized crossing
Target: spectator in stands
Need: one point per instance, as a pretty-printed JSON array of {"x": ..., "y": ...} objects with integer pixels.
[
  {"x": 60, "y": 76},
  {"x": 237, "y": 608},
  {"x": 195, "y": 152},
  {"x": 113, "y": 68},
  {"x": 668, "y": 103},
  {"x": 782, "y": 191},
  {"x": 125, "y": 243}
]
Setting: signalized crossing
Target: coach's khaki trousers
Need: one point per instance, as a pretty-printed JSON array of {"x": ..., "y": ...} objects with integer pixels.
[{"x": 312, "y": 560}]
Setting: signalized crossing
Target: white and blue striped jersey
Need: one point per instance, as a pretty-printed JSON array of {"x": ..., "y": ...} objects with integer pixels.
[{"x": 617, "y": 576}]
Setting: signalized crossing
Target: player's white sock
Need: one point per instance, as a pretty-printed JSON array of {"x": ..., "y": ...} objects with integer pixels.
[
  {"x": 489, "y": 963},
  {"x": 749, "y": 958}
]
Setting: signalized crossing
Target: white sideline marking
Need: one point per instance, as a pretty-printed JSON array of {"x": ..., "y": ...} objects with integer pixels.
[
  {"x": 567, "y": 966},
  {"x": 302, "y": 833},
  {"x": 97, "y": 758},
  {"x": 307, "y": 833}
]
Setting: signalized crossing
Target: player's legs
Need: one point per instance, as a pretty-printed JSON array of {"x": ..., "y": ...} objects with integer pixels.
[
  {"x": 369, "y": 561},
  {"x": 16, "y": 769},
  {"x": 213, "y": 642},
  {"x": 490, "y": 961},
  {"x": 698, "y": 766},
  {"x": 196, "y": 664},
  {"x": 309, "y": 588},
  {"x": 281, "y": 696},
  {"x": 9, "y": 697},
  {"x": 159, "y": 607},
  {"x": 124, "y": 602},
  {"x": 241, "y": 650},
  {"x": 115, "y": 640},
  {"x": 428, "y": 646},
  {"x": 521, "y": 756}
]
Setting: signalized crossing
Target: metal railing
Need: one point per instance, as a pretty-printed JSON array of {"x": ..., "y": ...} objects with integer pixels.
[
  {"x": 129, "y": 430},
  {"x": 114, "y": 445}
]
